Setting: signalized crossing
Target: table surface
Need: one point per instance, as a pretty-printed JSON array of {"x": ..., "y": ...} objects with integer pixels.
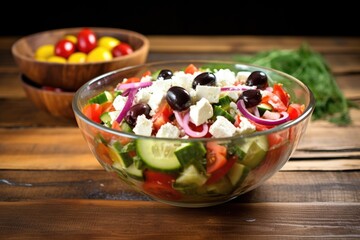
[{"x": 51, "y": 186}]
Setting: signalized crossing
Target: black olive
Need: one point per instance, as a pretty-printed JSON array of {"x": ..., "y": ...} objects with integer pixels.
[
  {"x": 251, "y": 97},
  {"x": 178, "y": 98},
  {"x": 258, "y": 79},
  {"x": 165, "y": 74},
  {"x": 205, "y": 78},
  {"x": 135, "y": 111}
]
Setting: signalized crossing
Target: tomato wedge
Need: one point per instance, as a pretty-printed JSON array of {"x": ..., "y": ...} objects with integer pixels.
[
  {"x": 275, "y": 101},
  {"x": 191, "y": 69},
  {"x": 159, "y": 184},
  {"x": 281, "y": 93},
  {"x": 132, "y": 80},
  {"x": 295, "y": 110},
  {"x": 221, "y": 172},
  {"x": 215, "y": 156},
  {"x": 93, "y": 112},
  {"x": 162, "y": 115}
]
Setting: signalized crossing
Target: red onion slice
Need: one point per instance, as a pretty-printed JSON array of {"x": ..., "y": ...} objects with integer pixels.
[
  {"x": 127, "y": 104},
  {"x": 179, "y": 119},
  {"x": 237, "y": 88},
  {"x": 241, "y": 106},
  {"x": 125, "y": 86},
  {"x": 191, "y": 132}
]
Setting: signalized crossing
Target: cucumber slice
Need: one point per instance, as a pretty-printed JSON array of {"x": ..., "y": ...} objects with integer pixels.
[
  {"x": 190, "y": 153},
  {"x": 218, "y": 111},
  {"x": 224, "y": 102},
  {"x": 106, "y": 119},
  {"x": 237, "y": 173},
  {"x": 190, "y": 177},
  {"x": 223, "y": 186},
  {"x": 262, "y": 107},
  {"x": 134, "y": 172},
  {"x": 158, "y": 154},
  {"x": 117, "y": 155},
  {"x": 101, "y": 98},
  {"x": 255, "y": 150}
]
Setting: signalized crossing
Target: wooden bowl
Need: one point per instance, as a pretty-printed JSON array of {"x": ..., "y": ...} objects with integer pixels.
[
  {"x": 57, "y": 103},
  {"x": 70, "y": 76}
]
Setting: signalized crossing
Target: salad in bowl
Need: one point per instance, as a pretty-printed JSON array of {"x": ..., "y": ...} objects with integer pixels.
[{"x": 193, "y": 133}]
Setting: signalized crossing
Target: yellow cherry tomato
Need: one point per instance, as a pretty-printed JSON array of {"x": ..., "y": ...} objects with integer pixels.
[
  {"x": 71, "y": 38},
  {"x": 45, "y": 51},
  {"x": 56, "y": 59},
  {"x": 77, "y": 57},
  {"x": 108, "y": 42},
  {"x": 99, "y": 54}
]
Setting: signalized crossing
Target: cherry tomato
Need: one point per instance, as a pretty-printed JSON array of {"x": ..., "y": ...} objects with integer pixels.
[
  {"x": 64, "y": 48},
  {"x": 99, "y": 54},
  {"x": 121, "y": 49},
  {"x": 71, "y": 38},
  {"x": 86, "y": 40},
  {"x": 77, "y": 57},
  {"x": 56, "y": 59},
  {"x": 44, "y": 52},
  {"x": 108, "y": 42}
]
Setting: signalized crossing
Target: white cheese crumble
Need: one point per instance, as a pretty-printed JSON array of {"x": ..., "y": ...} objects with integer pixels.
[
  {"x": 168, "y": 131},
  {"x": 222, "y": 128},
  {"x": 143, "y": 126},
  {"x": 201, "y": 112},
  {"x": 211, "y": 93},
  {"x": 225, "y": 77},
  {"x": 245, "y": 126},
  {"x": 119, "y": 102},
  {"x": 241, "y": 77}
]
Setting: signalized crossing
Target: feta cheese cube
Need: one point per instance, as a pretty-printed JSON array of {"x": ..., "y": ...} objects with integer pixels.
[
  {"x": 211, "y": 93},
  {"x": 224, "y": 77},
  {"x": 201, "y": 112},
  {"x": 143, "y": 95},
  {"x": 222, "y": 128},
  {"x": 113, "y": 115},
  {"x": 143, "y": 126},
  {"x": 119, "y": 102},
  {"x": 147, "y": 78},
  {"x": 154, "y": 102},
  {"x": 241, "y": 77},
  {"x": 245, "y": 126},
  {"x": 182, "y": 79},
  {"x": 168, "y": 131}
]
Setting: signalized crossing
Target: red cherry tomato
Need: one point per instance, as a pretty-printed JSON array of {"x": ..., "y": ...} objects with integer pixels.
[
  {"x": 121, "y": 49},
  {"x": 64, "y": 48},
  {"x": 86, "y": 40}
]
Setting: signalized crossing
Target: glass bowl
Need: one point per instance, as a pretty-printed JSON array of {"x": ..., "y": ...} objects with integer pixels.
[{"x": 182, "y": 171}]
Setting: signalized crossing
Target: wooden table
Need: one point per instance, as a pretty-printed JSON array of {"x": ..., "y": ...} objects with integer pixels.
[{"x": 52, "y": 187}]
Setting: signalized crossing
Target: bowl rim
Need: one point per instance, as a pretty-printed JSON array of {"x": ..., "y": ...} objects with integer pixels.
[
  {"x": 145, "y": 45},
  {"x": 307, "y": 112}
]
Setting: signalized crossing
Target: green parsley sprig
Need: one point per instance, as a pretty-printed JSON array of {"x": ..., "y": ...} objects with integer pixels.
[{"x": 311, "y": 68}]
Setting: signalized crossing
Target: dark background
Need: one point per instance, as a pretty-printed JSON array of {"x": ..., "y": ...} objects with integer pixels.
[{"x": 186, "y": 17}]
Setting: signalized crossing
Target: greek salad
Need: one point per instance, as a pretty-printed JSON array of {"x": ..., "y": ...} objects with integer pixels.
[{"x": 195, "y": 102}]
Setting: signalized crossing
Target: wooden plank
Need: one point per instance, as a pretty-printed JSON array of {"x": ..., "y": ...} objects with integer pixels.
[
  {"x": 250, "y": 44},
  {"x": 121, "y": 220},
  {"x": 284, "y": 186}
]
